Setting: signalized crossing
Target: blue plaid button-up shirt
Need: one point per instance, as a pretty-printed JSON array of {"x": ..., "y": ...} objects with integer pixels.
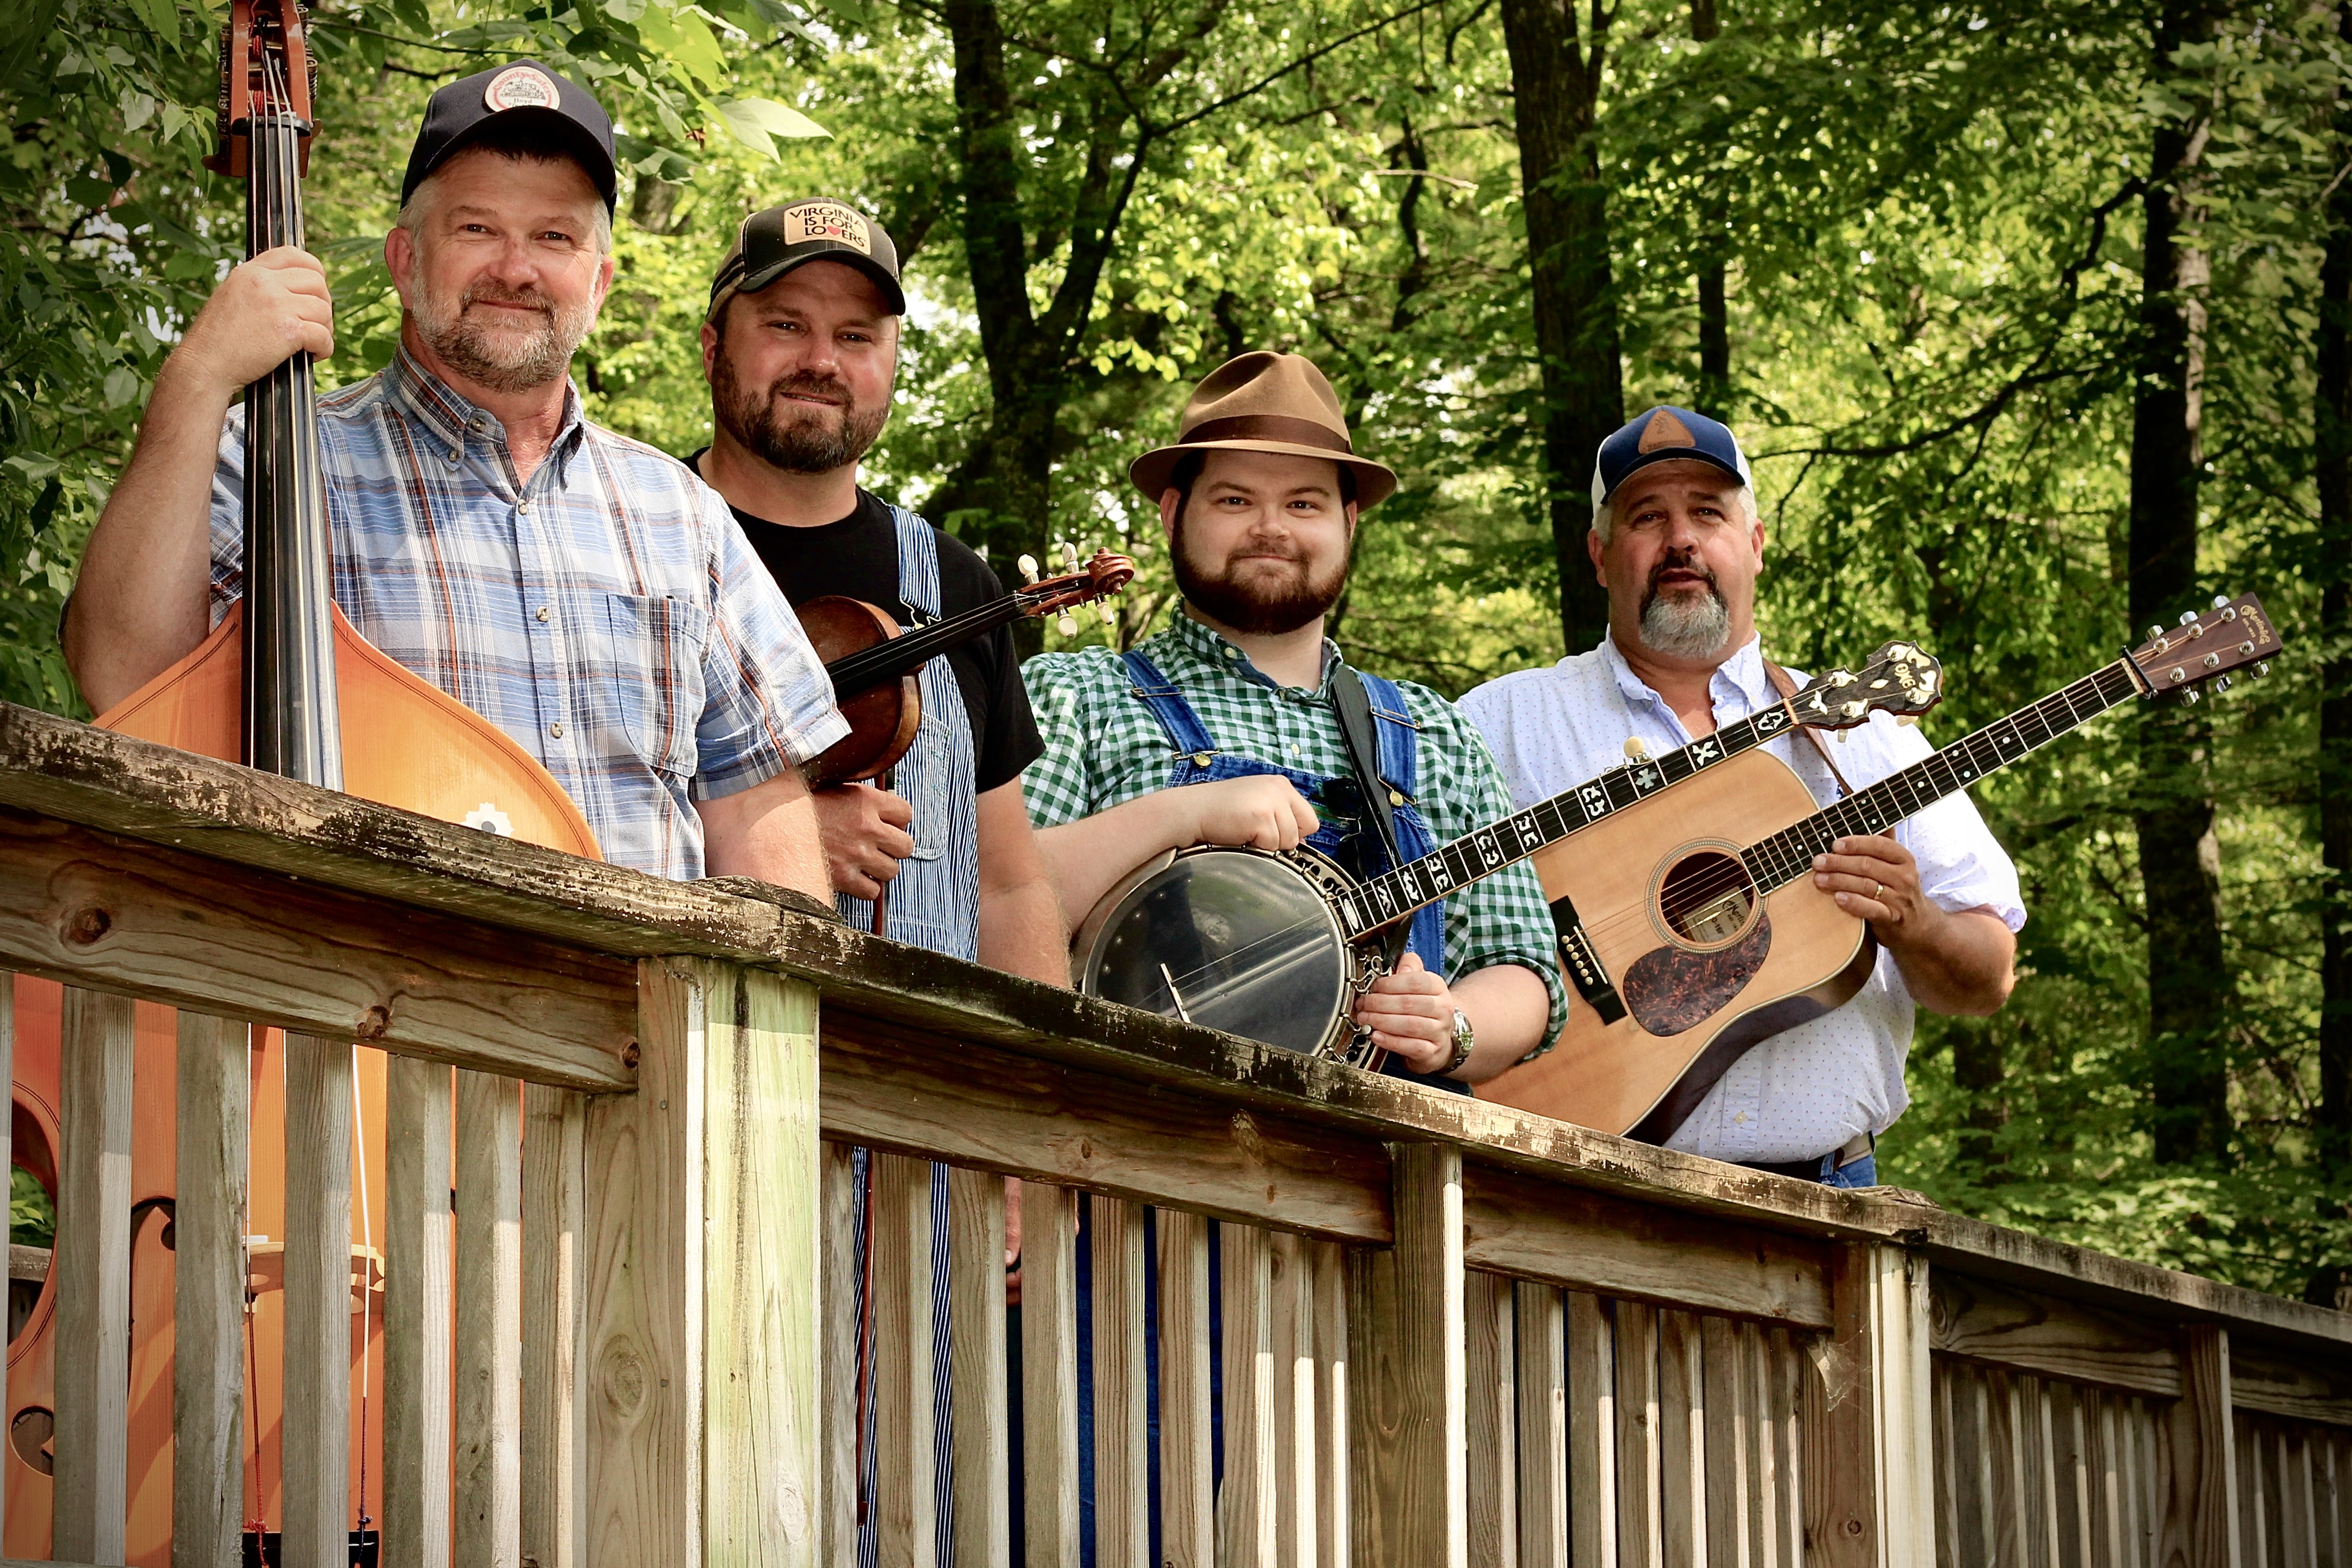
[{"x": 607, "y": 613}]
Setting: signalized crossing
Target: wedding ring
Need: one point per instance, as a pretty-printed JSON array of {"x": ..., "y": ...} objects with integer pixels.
[{"x": 1878, "y": 891}]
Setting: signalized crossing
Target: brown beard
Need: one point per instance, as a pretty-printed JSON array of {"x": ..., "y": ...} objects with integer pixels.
[
  {"x": 814, "y": 440},
  {"x": 1257, "y": 608}
]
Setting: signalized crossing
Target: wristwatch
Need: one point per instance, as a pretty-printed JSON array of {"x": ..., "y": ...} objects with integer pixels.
[{"x": 1465, "y": 1042}]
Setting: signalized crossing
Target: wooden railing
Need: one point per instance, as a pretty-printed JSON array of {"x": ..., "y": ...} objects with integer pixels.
[{"x": 1446, "y": 1333}]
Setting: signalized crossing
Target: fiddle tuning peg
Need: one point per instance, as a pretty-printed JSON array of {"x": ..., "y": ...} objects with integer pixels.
[
  {"x": 1110, "y": 616},
  {"x": 1028, "y": 565}
]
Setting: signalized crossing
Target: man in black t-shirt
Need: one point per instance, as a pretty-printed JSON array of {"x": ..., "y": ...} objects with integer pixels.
[{"x": 801, "y": 350}]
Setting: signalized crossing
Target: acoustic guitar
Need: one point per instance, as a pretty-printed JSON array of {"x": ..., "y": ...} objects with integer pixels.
[{"x": 1699, "y": 915}]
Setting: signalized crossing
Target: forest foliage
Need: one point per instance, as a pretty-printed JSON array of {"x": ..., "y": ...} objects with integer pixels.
[{"x": 1905, "y": 250}]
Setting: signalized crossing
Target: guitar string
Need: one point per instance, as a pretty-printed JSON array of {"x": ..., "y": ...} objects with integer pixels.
[{"x": 1732, "y": 880}]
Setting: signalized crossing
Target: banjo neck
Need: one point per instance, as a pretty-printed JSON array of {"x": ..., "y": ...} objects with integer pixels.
[{"x": 1382, "y": 901}]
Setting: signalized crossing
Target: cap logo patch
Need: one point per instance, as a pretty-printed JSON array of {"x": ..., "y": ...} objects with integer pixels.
[
  {"x": 1665, "y": 430},
  {"x": 807, "y": 221},
  {"x": 520, "y": 87}
]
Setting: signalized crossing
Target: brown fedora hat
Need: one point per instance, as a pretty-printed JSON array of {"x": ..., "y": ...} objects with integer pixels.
[{"x": 1264, "y": 403}]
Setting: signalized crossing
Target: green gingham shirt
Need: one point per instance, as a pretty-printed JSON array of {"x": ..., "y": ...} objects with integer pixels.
[{"x": 1103, "y": 747}]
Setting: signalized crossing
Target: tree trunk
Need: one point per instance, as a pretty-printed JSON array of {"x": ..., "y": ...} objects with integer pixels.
[
  {"x": 2332, "y": 467},
  {"x": 2190, "y": 991},
  {"x": 1713, "y": 396},
  {"x": 1556, "y": 87}
]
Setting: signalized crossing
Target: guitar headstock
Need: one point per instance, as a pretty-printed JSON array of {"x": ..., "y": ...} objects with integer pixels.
[
  {"x": 1901, "y": 679},
  {"x": 2207, "y": 645},
  {"x": 1100, "y": 578}
]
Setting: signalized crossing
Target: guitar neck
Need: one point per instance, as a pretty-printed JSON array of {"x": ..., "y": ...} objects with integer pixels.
[
  {"x": 1787, "y": 855},
  {"x": 1384, "y": 900},
  {"x": 887, "y": 661}
]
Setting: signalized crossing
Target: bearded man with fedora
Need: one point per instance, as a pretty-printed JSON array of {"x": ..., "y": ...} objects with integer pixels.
[{"x": 1221, "y": 730}]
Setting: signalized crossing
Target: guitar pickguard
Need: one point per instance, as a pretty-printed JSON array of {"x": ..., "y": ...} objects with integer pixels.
[{"x": 1669, "y": 990}]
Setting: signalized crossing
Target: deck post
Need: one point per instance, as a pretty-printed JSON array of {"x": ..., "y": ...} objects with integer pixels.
[
  {"x": 1868, "y": 1471},
  {"x": 699, "y": 1293},
  {"x": 1408, "y": 1346},
  {"x": 2200, "y": 1527}
]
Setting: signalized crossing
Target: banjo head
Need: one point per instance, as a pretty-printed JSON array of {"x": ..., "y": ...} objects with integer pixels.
[{"x": 1230, "y": 938}]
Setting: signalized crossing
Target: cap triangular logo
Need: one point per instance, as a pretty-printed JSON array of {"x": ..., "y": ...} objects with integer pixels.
[{"x": 1666, "y": 430}]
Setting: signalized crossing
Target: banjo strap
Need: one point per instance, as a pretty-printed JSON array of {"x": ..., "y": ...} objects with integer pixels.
[{"x": 1354, "y": 710}]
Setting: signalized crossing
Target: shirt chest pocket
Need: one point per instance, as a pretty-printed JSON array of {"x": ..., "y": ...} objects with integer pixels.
[
  {"x": 653, "y": 648},
  {"x": 922, "y": 779}
]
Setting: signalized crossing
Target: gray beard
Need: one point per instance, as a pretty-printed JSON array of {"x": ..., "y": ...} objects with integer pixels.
[
  {"x": 1682, "y": 628},
  {"x": 466, "y": 347}
]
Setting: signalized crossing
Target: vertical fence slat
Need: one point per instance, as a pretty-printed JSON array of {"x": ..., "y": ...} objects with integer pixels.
[
  {"x": 2299, "y": 1529},
  {"x": 1245, "y": 1499},
  {"x": 837, "y": 1180},
  {"x": 1492, "y": 1416},
  {"x": 208, "y": 1274},
  {"x": 1592, "y": 1433},
  {"x": 1404, "y": 1319},
  {"x": 904, "y": 1431},
  {"x": 1638, "y": 1465},
  {"x": 489, "y": 1319},
  {"x": 1188, "y": 1514},
  {"x": 2034, "y": 1475},
  {"x": 1328, "y": 1289},
  {"x": 1682, "y": 1441},
  {"x": 93, "y": 1274},
  {"x": 2248, "y": 1447},
  {"x": 2201, "y": 1521},
  {"x": 1291, "y": 1334},
  {"x": 419, "y": 1266},
  {"x": 1122, "y": 1471},
  {"x": 1788, "y": 1374},
  {"x": 977, "y": 1405},
  {"x": 2070, "y": 1456},
  {"x": 1727, "y": 1444},
  {"x": 1541, "y": 1361},
  {"x": 318, "y": 1372},
  {"x": 1049, "y": 1374},
  {"x": 1764, "y": 1459},
  {"x": 554, "y": 1214}
]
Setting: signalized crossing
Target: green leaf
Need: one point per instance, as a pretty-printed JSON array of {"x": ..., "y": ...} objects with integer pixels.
[
  {"x": 122, "y": 386},
  {"x": 756, "y": 120},
  {"x": 32, "y": 466},
  {"x": 138, "y": 109}
]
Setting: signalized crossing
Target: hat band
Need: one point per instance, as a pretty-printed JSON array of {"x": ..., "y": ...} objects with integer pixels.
[{"x": 1267, "y": 427}]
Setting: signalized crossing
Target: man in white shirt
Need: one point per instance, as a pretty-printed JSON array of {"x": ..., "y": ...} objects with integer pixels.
[{"x": 1677, "y": 542}]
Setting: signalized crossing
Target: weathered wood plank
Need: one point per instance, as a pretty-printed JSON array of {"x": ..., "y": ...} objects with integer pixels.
[
  {"x": 2033, "y": 1331},
  {"x": 1049, "y": 1374},
  {"x": 1767, "y": 1527},
  {"x": 187, "y": 931},
  {"x": 1540, "y": 1359},
  {"x": 1291, "y": 1335},
  {"x": 554, "y": 1222},
  {"x": 488, "y": 1354},
  {"x": 1591, "y": 1241},
  {"x": 1326, "y": 1263},
  {"x": 1044, "y": 1121},
  {"x": 1868, "y": 1480},
  {"x": 2299, "y": 1389},
  {"x": 1188, "y": 1520},
  {"x": 1728, "y": 1444},
  {"x": 317, "y": 1370},
  {"x": 1591, "y": 1432},
  {"x": 1246, "y": 1502},
  {"x": 1405, "y": 1329},
  {"x": 899, "y": 1211},
  {"x": 980, "y": 1465},
  {"x": 1638, "y": 1482},
  {"x": 208, "y": 1274},
  {"x": 2070, "y": 1417},
  {"x": 420, "y": 1265},
  {"x": 1682, "y": 1442},
  {"x": 2201, "y": 1524},
  {"x": 1972, "y": 1464},
  {"x": 837, "y": 1176},
  {"x": 1491, "y": 1408},
  {"x": 1122, "y": 1470},
  {"x": 92, "y": 1262}
]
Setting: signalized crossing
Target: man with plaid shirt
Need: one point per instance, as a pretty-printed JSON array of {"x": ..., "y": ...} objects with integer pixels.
[
  {"x": 584, "y": 592},
  {"x": 1259, "y": 498}
]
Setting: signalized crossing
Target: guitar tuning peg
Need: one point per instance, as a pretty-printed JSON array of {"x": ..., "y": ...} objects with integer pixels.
[
  {"x": 2262, "y": 669},
  {"x": 2156, "y": 634},
  {"x": 2192, "y": 695},
  {"x": 2220, "y": 683},
  {"x": 1067, "y": 626},
  {"x": 1028, "y": 565},
  {"x": 2220, "y": 601},
  {"x": 2188, "y": 618}
]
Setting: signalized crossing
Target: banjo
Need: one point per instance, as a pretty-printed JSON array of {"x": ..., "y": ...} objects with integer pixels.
[{"x": 1277, "y": 947}]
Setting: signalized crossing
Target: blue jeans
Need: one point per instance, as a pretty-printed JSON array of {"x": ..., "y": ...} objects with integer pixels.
[{"x": 1862, "y": 1172}]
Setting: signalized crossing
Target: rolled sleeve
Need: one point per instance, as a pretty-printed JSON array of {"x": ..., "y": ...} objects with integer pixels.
[
  {"x": 1059, "y": 786},
  {"x": 228, "y": 517},
  {"x": 767, "y": 701}
]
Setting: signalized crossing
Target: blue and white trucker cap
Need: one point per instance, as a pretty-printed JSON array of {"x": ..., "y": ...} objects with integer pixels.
[{"x": 1662, "y": 434}]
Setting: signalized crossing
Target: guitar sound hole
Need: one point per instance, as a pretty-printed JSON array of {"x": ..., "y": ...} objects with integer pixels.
[{"x": 1706, "y": 897}]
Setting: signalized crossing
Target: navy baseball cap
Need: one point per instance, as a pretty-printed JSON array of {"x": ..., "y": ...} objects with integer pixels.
[
  {"x": 455, "y": 115},
  {"x": 774, "y": 242},
  {"x": 1660, "y": 435}
]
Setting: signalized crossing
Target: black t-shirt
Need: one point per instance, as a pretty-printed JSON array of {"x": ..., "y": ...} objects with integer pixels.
[{"x": 859, "y": 557}]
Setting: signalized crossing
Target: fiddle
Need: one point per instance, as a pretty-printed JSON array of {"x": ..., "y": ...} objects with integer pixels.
[{"x": 873, "y": 665}]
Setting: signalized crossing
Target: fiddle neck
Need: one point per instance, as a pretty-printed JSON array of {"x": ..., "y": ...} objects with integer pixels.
[{"x": 290, "y": 722}]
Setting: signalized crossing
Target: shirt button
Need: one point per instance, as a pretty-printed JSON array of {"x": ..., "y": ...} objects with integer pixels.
[
  {"x": 1294, "y": 751},
  {"x": 556, "y": 730},
  {"x": 1740, "y": 1117},
  {"x": 1231, "y": 651},
  {"x": 453, "y": 458},
  {"x": 543, "y": 613},
  {"x": 523, "y": 507},
  {"x": 478, "y": 422}
]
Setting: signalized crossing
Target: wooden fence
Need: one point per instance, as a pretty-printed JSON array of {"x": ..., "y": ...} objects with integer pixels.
[{"x": 1444, "y": 1332}]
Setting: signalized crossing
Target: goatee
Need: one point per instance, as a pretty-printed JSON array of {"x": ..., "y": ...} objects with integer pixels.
[
  {"x": 799, "y": 437},
  {"x": 1263, "y": 600},
  {"x": 1684, "y": 625},
  {"x": 469, "y": 344}
]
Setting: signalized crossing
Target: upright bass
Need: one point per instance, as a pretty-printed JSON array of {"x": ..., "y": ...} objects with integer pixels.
[{"x": 286, "y": 685}]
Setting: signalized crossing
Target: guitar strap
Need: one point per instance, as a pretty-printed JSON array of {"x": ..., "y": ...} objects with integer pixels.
[
  {"x": 1786, "y": 685},
  {"x": 1353, "y": 706}
]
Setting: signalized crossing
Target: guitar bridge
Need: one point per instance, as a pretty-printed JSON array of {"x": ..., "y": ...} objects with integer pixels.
[{"x": 1583, "y": 967}]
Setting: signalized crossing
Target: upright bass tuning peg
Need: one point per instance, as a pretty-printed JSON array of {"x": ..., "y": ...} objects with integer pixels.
[{"x": 1028, "y": 565}]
